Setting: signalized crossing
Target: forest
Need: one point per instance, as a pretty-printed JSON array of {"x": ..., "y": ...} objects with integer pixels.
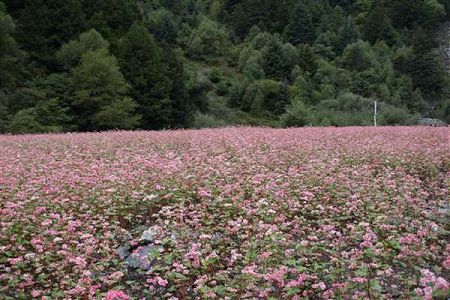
[{"x": 93, "y": 65}]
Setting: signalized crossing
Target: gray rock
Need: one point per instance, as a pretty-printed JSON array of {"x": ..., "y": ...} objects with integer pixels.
[
  {"x": 149, "y": 235},
  {"x": 430, "y": 122},
  {"x": 143, "y": 257},
  {"x": 124, "y": 251}
]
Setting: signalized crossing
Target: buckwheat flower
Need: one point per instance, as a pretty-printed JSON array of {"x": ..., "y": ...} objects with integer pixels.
[
  {"x": 359, "y": 279},
  {"x": 87, "y": 273},
  {"x": 40, "y": 209},
  {"x": 30, "y": 256},
  {"x": 265, "y": 255},
  {"x": 250, "y": 270},
  {"x": 14, "y": 261},
  {"x": 150, "y": 197},
  {"x": 428, "y": 293},
  {"x": 298, "y": 282},
  {"x": 446, "y": 263},
  {"x": 57, "y": 240},
  {"x": 162, "y": 282},
  {"x": 116, "y": 276},
  {"x": 321, "y": 285},
  {"x": 46, "y": 222},
  {"x": 211, "y": 295},
  {"x": 36, "y": 293},
  {"x": 442, "y": 284},
  {"x": 204, "y": 193},
  {"x": 289, "y": 252},
  {"x": 178, "y": 267},
  {"x": 116, "y": 295}
]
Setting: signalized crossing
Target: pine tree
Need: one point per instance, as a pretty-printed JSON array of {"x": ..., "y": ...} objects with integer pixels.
[
  {"x": 378, "y": 26},
  {"x": 273, "y": 59},
  {"x": 46, "y": 25},
  {"x": 98, "y": 85},
  {"x": 10, "y": 54},
  {"x": 347, "y": 34},
  {"x": 71, "y": 53},
  {"x": 142, "y": 64},
  {"x": 161, "y": 23},
  {"x": 301, "y": 27}
]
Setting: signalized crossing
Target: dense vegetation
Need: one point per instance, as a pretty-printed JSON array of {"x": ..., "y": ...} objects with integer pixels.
[{"x": 85, "y": 65}]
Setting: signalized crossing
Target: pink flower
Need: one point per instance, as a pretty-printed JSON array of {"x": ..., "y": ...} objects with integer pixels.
[
  {"x": 442, "y": 284},
  {"x": 428, "y": 291},
  {"x": 204, "y": 193},
  {"x": 359, "y": 279},
  {"x": 446, "y": 263},
  {"x": 161, "y": 282},
  {"x": 116, "y": 295}
]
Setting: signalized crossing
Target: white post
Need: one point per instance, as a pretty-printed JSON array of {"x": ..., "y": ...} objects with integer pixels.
[{"x": 375, "y": 115}]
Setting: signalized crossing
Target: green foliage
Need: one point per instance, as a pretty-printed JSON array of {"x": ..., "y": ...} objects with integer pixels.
[
  {"x": 265, "y": 97},
  {"x": 154, "y": 64},
  {"x": 269, "y": 14},
  {"x": 347, "y": 34},
  {"x": 120, "y": 114},
  {"x": 358, "y": 56},
  {"x": 154, "y": 74},
  {"x": 46, "y": 116},
  {"x": 378, "y": 25},
  {"x": 444, "y": 111},
  {"x": 274, "y": 62},
  {"x": 98, "y": 78},
  {"x": 71, "y": 53},
  {"x": 46, "y": 25},
  {"x": 161, "y": 23},
  {"x": 410, "y": 13},
  {"x": 209, "y": 39},
  {"x": 350, "y": 109},
  {"x": 253, "y": 68},
  {"x": 10, "y": 53},
  {"x": 201, "y": 120},
  {"x": 98, "y": 86},
  {"x": 297, "y": 114},
  {"x": 301, "y": 27},
  {"x": 307, "y": 59},
  {"x": 4, "y": 113},
  {"x": 25, "y": 121}
]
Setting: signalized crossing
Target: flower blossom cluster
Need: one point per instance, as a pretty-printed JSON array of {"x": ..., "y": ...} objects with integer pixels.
[{"x": 318, "y": 213}]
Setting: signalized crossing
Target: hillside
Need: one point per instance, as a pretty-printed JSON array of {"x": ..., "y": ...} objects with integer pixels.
[{"x": 90, "y": 65}]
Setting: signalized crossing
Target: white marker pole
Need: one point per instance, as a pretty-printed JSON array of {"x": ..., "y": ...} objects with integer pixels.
[{"x": 375, "y": 115}]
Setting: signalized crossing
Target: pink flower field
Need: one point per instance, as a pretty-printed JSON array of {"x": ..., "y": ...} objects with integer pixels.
[{"x": 237, "y": 213}]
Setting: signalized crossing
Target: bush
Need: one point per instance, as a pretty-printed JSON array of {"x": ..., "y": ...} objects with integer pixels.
[
  {"x": 208, "y": 39},
  {"x": 215, "y": 75},
  {"x": 201, "y": 120},
  {"x": 297, "y": 114},
  {"x": 222, "y": 88},
  {"x": 391, "y": 115},
  {"x": 444, "y": 111},
  {"x": 353, "y": 110}
]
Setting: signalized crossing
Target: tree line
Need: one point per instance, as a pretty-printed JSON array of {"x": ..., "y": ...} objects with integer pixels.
[{"x": 87, "y": 65}]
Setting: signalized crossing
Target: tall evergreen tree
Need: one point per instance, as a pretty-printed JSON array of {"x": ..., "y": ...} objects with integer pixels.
[
  {"x": 45, "y": 25},
  {"x": 347, "y": 34},
  {"x": 273, "y": 59},
  {"x": 100, "y": 90},
  {"x": 301, "y": 27},
  {"x": 143, "y": 66},
  {"x": 378, "y": 26},
  {"x": 10, "y": 53}
]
